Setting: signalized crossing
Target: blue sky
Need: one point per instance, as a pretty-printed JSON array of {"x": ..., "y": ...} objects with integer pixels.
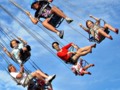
[{"x": 105, "y": 74}]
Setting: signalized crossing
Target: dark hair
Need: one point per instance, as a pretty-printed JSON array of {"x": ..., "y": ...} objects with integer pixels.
[
  {"x": 32, "y": 5},
  {"x": 9, "y": 66},
  {"x": 87, "y": 23},
  {"x": 54, "y": 43},
  {"x": 12, "y": 41}
]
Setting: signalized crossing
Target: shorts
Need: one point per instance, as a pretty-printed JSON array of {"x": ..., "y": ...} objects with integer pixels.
[
  {"x": 27, "y": 80},
  {"x": 71, "y": 60}
]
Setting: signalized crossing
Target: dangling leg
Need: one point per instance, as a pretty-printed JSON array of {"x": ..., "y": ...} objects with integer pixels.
[
  {"x": 83, "y": 51},
  {"x": 51, "y": 28},
  {"x": 111, "y": 28},
  {"x": 48, "y": 26},
  {"x": 34, "y": 74},
  {"x": 41, "y": 75},
  {"x": 86, "y": 72},
  {"x": 60, "y": 13},
  {"x": 88, "y": 66},
  {"x": 101, "y": 31}
]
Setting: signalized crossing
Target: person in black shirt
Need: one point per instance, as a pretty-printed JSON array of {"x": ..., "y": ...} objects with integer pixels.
[{"x": 44, "y": 10}]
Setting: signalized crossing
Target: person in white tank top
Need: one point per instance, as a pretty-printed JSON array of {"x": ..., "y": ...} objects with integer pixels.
[{"x": 23, "y": 78}]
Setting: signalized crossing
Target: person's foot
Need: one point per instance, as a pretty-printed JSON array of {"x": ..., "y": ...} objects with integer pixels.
[
  {"x": 49, "y": 79},
  {"x": 94, "y": 45},
  {"x": 116, "y": 31},
  {"x": 92, "y": 65},
  {"x": 61, "y": 34},
  {"x": 69, "y": 20},
  {"x": 110, "y": 38},
  {"x": 89, "y": 73}
]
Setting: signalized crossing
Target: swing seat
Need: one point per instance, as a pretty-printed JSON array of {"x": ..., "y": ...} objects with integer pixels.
[
  {"x": 92, "y": 39},
  {"x": 56, "y": 20},
  {"x": 36, "y": 84},
  {"x": 25, "y": 57}
]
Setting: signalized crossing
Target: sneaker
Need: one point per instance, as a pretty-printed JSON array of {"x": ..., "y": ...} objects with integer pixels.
[
  {"x": 111, "y": 38},
  {"x": 116, "y": 31},
  {"x": 49, "y": 79},
  {"x": 94, "y": 45},
  {"x": 61, "y": 34},
  {"x": 89, "y": 73},
  {"x": 92, "y": 65},
  {"x": 69, "y": 20}
]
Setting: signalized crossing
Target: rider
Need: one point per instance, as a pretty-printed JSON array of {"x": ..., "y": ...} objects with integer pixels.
[
  {"x": 81, "y": 70},
  {"x": 23, "y": 78},
  {"x": 20, "y": 50},
  {"x": 71, "y": 57},
  {"x": 96, "y": 30},
  {"x": 46, "y": 12}
]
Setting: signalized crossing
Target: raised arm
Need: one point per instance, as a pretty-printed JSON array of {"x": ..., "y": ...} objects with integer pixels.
[
  {"x": 20, "y": 75},
  {"x": 95, "y": 18},
  {"x": 7, "y": 52},
  {"x": 23, "y": 41},
  {"x": 75, "y": 46},
  {"x": 33, "y": 19},
  {"x": 84, "y": 28}
]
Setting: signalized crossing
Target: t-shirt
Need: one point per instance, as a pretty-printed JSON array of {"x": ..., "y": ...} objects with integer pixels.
[
  {"x": 44, "y": 11},
  {"x": 21, "y": 80},
  {"x": 63, "y": 53},
  {"x": 15, "y": 52}
]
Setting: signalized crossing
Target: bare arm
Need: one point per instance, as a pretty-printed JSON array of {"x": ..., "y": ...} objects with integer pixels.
[
  {"x": 33, "y": 19},
  {"x": 20, "y": 75},
  {"x": 84, "y": 28},
  {"x": 97, "y": 19},
  {"x": 75, "y": 46},
  {"x": 7, "y": 52},
  {"x": 24, "y": 42}
]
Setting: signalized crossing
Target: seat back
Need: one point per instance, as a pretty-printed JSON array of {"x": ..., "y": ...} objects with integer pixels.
[
  {"x": 56, "y": 20},
  {"x": 102, "y": 37},
  {"x": 92, "y": 39}
]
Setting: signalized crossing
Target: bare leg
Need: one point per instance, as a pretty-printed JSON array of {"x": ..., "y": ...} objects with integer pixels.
[
  {"x": 101, "y": 31},
  {"x": 35, "y": 74},
  {"x": 48, "y": 26},
  {"x": 109, "y": 27},
  {"x": 83, "y": 51},
  {"x": 58, "y": 12},
  {"x": 39, "y": 73},
  {"x": 86, "y": 72},
  {"x": 88, "y": 66}
]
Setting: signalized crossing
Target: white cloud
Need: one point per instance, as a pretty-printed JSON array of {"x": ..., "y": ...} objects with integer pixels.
[{"x": 7, "y": 83}]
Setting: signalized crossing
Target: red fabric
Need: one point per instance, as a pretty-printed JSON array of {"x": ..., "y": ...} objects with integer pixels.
[
  {"x": 63, "y": 53},
  {"x": 81, "y": 73}
]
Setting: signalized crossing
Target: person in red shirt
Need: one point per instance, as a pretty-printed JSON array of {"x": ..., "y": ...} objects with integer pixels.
[{"x": 69, "y": 56}]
